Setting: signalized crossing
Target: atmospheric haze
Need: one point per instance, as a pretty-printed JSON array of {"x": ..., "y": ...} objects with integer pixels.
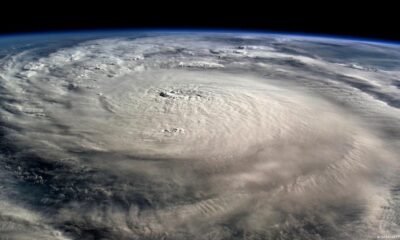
[{"x": 148, "y": 135}]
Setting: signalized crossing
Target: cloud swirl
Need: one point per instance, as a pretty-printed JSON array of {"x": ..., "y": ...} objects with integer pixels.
[{"x": 200, "y": 136}]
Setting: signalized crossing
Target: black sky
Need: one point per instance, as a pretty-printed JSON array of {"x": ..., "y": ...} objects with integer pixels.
[{"x": 367, "y": 21}]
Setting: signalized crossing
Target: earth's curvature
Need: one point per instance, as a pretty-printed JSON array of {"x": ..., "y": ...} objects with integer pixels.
[{"x": 196, "y": 135}]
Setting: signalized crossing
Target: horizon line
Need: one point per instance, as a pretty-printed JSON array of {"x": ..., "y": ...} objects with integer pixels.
[{"x": 204, "y": 30}]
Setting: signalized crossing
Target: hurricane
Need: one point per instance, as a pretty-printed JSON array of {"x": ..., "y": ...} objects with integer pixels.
[{"x": 195, "y": 135}]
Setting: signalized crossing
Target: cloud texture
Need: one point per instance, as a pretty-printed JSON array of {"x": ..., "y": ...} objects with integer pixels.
[{"x": 200, "y": 136}]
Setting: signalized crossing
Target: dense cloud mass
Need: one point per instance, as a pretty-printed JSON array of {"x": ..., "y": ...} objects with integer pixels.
[{"x": 198, "y": 136}]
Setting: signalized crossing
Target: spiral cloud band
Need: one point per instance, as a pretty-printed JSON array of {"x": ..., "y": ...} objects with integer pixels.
[{"x": 199, "y": 136}]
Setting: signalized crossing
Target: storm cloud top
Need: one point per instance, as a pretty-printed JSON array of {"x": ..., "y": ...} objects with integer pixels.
[{"x": 199, "y": 136}]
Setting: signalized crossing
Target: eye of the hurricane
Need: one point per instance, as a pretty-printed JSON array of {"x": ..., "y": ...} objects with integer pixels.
[{"x": 181, "y": 94}]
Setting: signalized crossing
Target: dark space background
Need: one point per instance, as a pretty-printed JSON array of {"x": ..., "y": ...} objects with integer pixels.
[{"x": 376, "y": 20}]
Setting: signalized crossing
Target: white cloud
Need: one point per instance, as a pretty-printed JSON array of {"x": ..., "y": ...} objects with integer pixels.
[{"x": 123, "y": 142}]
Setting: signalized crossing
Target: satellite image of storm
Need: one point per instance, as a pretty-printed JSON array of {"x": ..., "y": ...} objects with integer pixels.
[{"x": 198, "y": 135}]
